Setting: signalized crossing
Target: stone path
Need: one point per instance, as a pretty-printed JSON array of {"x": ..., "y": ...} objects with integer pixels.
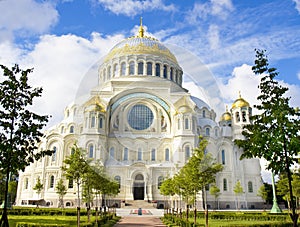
[{"x": 143, "y": 221}]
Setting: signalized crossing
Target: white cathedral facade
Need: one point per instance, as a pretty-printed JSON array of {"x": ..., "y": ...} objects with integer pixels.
[{"x": 142, "y": 126}]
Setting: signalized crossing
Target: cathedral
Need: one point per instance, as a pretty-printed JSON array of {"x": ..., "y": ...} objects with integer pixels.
[{"x": 142, "y": 125}]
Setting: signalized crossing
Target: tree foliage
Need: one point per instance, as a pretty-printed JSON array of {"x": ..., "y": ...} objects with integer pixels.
[
  {"x": 20, "y": 128},
  {"x": 38, "y": 187},
  {"x": 61, "y": 190},
  {"x": 274, "y": 132}
]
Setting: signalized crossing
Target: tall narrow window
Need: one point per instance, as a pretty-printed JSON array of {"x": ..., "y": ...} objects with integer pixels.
[
  {"x": 91, "y": 151},
  {"x": 72, "y": 129},
  {"x": 167, "y": 154},
  {"x": 157, "y": 69},
  {"x": 250, "y": 187},
  {"x": 244, "y": 116},
  {"x": 237, "y": 115},
  {"x": 70, "y": 184},
  {"x": 223, "y": 157},
  {"x": 149, "y": 68},
  {"x": 54, "y": 154},
  {"x": 26, "y": 183},
  {"x": 93, "y": 119},
  {"x": 125, "y": 155},
  {"x": 52, "y": 181},
  {"x": 118, "y": 180},
  {"x": 139, "y": 154},
  {"x": 186, "y": 123},
  {"x": 153, "y": 154},
  {"x": 140, "y": 68},
  {"x": 203, "y": 113},
  {"x": 187, "y": 152},
  {"x": 165, "y": 71},
  {"x": 224, "y": 184},
  {"x": 131, "y": 68},
  {"x": 112, "y": 152},
  {"x": 123, "y": 69},
  {"x": 171, "y": 73},
  {"x": 100, "y": 121},
  {"x": 160, "y": 181},
  {"x": 109, "y": 72},
  {"x": 207, "y": 131}
]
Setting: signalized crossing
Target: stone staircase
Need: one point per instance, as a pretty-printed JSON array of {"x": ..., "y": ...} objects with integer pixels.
[{"x": 135, "y": 204}]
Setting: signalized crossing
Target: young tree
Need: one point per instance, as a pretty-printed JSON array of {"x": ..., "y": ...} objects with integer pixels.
[
  {"x": 20, "y": 128},
  {"x": 61, "y": 190},
  {"x": 75, "y": 169},
  {"x": 238, "y": 191},
  {"x": 274, "y": 133},
  {"x": 215, "y": 191},
  {"x": 265, "y": 192},
  {"x": 38, "y": 187}
]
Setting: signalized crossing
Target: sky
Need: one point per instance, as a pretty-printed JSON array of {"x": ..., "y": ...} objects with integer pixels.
[{"x": 63, "y": 39}]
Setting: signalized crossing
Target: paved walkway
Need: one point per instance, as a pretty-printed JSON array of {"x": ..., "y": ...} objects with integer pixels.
[{"x": 143, "y": 221}]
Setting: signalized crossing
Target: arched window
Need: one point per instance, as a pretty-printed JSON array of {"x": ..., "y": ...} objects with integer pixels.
[
  {"x": 123, "y": 69},
  {"x": 157, "y": 69},
  {"x": 118, "y": 180},
  {"x": 100, "y": 121},
  {"x": 223, "y": 156},
  {"x": 244, "y": 116},
  {"x": 62, "y": 129},
  {"x": 140, "y": 68},
  {"x": 125, "y": 155},
  {"x": 203, "y": 113},
  {"x": 171, "y": 74},
  {"x": 224, "y": 184},
  {"x": 216, "y": 132},
  {"x": 54, "y": 154},
  {"x": 160, "y": 181},
  {"x": 165, "y": 71},
  {"x": 52, "y": 181},
  {"x": 167, "y": 154},
  {"x": 70, "y": 184},
  {"x": 104, "y": 74},
  {"x": 26, "y": 183},
  {"x": 153, "y": 154},
  {"x": 116, "y": 70},
  {"x": 108, "y": 72},
  {"x": 187, "y": 152},
  {"x": 250, "y": 187},
  {"x": 112, "y": 152},
  {"x": 139, "y": 177},
  {"x": 139, "y": 158},
  {"x": 91, "y": 151},
  {"x": 72, "y": 129},
  {"x": 92, "y": 119},
  {"x": 149, "y": 68},
  {"x": 186, "y": 123},
  {"x": 207, "y": 131},
  {"x": 131, "y": 68},
  {"x": 237, "y": 115}
]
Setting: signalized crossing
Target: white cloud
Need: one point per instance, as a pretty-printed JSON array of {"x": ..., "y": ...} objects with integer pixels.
[
  {"x": 134, "y": 7},
  {"x": 213, "y": 36},
  {"x": 298, "y": 75},
  {"x": 221, "y": 8},
  {"x": 297, "y": 5},
  {"x": 25, "y": 16}
]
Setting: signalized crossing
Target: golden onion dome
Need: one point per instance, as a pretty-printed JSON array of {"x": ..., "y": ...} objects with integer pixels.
[
  {"x": 226, "y": 116},
  {"x": 240, "y": 102},
  {"x": 140, "y": 44}
]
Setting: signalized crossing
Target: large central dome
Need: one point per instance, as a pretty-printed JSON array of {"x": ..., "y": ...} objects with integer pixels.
[{"x": 139, "y": 56}]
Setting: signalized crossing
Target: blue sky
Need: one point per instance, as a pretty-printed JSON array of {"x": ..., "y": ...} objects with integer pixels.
[{"x": 62, "y": 39}]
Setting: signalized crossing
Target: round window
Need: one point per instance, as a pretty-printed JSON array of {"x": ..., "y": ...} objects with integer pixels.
[{"x": 140, "y": 117}]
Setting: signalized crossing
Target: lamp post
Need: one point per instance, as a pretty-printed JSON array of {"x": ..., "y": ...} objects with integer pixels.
[{"x": 275, "y": 208}]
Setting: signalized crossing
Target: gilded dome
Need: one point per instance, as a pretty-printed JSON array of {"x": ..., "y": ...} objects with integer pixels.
[
  {"x": 240, "y": 102},
  {"x": 140, "y": 44},
  {"x": 226, "y": 116}
]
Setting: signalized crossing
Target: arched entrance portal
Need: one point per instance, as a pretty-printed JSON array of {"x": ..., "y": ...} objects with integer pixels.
[{"x": 139, "y": 187}]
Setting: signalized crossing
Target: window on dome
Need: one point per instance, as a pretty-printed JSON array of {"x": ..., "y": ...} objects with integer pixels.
[
  {"x": 131, "y": 68},
  {"x": 116, "y": 70},
  {"x": 153, "y": 154},
  {"x": 203, "y": 113},
  {"x": 93, "y": 119},
  {"x": 165, "y": 71},
  {"x": 244, "y": 116},
  {"x": 140, "y": 117},
  {"x": 157, "y": 69},
  {"x": 100, "y": 123},
  {"x": 223, "y": 157},
  {"x": 123, "y": 69},
  {"x": 149, "y": 68},
  {"x": 167, "y": 154},
  {"x": 176, "y": 76},
  {"x": 109, "y": 72},
  {"x": 125, "y": 154},
  {"x": 250, "y": 187},
  {"x": 72, "y": 129},
  {"x": 186, "y": 123},
  {"x": 237, "y": 114},
  {"x": 171, "y": 74},
  {"x": 207, "y": 131},
  {"x": 140, "y": 68},
  {"x": 224, "y": 184}
]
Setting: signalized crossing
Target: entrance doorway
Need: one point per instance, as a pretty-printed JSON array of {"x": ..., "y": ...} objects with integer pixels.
[{"x": 139, "y": 187}]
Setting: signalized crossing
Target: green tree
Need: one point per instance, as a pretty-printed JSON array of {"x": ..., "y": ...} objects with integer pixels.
[
  {"x": 238, "y": 191},
  {"x": 38, "y": 187},
  {"x": 265, "y": 192},
  {"x": 61, "y": 190},
  {"x": 274, "y": 133},
  {"x": 75, "y": 169},
  {"x": 215, "y": 191},
  {"x": 20, "y": 128}
]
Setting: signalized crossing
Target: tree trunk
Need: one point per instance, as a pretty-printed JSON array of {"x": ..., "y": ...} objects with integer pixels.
[{"x": 4, "y": 219}]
